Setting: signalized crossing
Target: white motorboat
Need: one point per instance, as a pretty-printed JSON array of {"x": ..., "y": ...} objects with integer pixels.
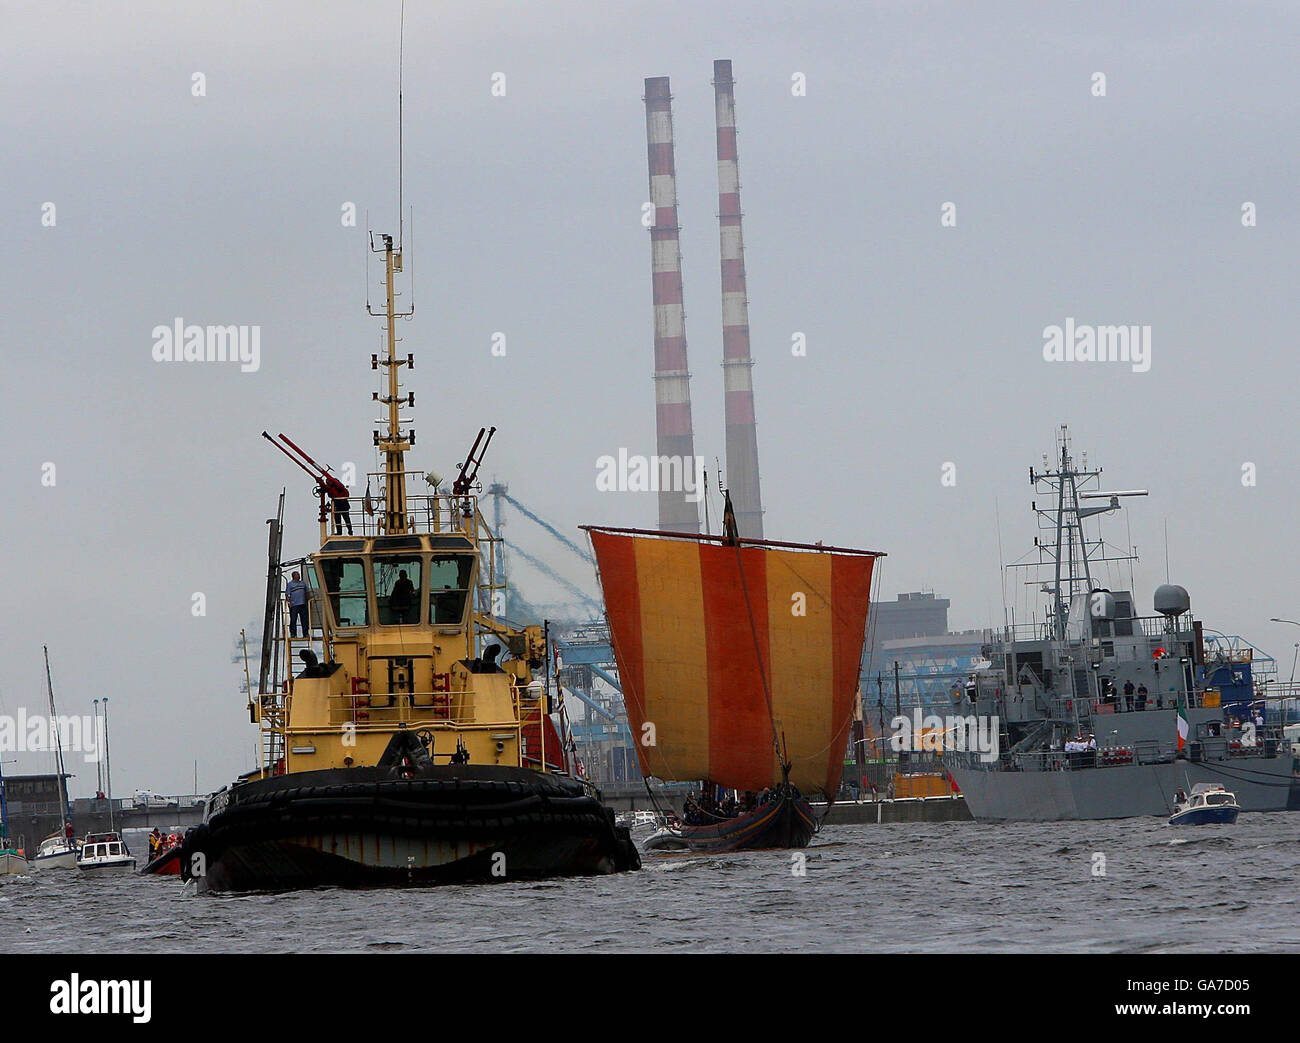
[
  {"x": 1208, "y": 804},
  {"x": 105, "y": 853}
]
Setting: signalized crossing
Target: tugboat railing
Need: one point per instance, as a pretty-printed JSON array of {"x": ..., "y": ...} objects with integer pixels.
[
  {"x": 418, "y": 707},
  {"x": 427, "y": 512}
]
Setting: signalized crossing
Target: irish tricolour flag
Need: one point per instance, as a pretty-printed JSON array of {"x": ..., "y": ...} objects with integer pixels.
[{"x": 1182, "y": 726}]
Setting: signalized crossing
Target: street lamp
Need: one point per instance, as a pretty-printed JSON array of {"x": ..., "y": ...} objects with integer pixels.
[{"x": 1275, "y": 619}]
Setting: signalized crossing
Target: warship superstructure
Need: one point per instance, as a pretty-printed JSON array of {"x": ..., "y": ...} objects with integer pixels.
[{"x": 1103, "y": 712}]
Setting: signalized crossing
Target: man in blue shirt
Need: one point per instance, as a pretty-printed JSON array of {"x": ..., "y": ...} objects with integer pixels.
[{"x": 297, "y": 593}]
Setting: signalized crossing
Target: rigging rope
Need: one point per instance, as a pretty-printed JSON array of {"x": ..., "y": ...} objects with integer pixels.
[{"x": 758, "y": 657}]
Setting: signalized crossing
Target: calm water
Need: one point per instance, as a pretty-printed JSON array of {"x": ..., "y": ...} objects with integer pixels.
[{"x": 910, "y": 887}]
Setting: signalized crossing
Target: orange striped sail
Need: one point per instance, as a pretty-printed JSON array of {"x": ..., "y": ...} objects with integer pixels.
[{"x": 734, "y": 655}]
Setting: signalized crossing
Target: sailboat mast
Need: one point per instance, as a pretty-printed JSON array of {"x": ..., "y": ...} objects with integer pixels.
[
  {"x": 4, "y": 808},
  {"x": 108, "y": 769},
  {"x": 64, "y": 810}
]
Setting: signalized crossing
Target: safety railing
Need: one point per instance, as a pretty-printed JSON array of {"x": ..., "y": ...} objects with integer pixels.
[
  {"x": 387, "y": 709},
  {"x": 426, "y": 512},
  {"x": 1153, "y": 627}
]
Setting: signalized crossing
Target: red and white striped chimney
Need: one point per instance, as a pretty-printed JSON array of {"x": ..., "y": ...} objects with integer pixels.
[
  {"x": 742, "y": 435},
  {"x": 673, "y": 427}
]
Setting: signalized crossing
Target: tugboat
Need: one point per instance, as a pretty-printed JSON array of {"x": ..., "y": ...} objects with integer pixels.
[
  {"x": 1208, "y": 803},
  {"x": 416, "y": 745},
  {"x": 739, "y": 661},
  {"x": 1101, "y": 712}
]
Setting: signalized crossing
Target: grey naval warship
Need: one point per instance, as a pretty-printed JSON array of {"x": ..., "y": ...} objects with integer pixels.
[{"x": 1102, "y": 712}]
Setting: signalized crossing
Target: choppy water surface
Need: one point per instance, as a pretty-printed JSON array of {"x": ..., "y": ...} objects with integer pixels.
[{"x": 939, "y": 887}]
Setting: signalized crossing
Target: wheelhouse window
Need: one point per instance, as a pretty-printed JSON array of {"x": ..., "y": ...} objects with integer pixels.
[
  {"x": 345, "y": 579},
  {"x": 397, "y": 589},
  {"x": 449, "y": 580}
]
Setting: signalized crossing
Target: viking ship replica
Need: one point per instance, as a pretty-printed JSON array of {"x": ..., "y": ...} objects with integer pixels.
[{"x": 739, "y": 663}]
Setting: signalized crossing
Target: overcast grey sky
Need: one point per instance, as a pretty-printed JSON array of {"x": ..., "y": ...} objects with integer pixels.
[{"x": 924, "y": 342}]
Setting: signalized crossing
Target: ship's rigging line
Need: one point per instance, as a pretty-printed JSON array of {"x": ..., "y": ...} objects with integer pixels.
[
  {"x": 782, "y": 759},
  {"x": 842, "y": 734}
]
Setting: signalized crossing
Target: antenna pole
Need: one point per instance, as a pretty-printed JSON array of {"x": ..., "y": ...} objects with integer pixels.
[
  {"x": 394, "y": 443},
  {"x": 108, "y": 768},
  {"x": 401, "y": 48}
]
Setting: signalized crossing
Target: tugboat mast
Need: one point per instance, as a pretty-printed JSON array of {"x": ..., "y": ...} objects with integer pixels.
[{"x": 395, "y": 442}]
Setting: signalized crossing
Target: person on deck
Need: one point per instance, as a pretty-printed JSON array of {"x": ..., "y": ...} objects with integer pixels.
[
  {"x": 342, "y": 515},
  {"x": 402, "y": 598},
  {"x": 298, "y": 594},
  {"x": 1128, "y": 696}
]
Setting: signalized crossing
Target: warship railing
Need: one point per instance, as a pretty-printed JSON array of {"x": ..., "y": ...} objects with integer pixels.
[
  {"x": 1072, "y": 760},
  {"x": 1153, "y": 627}
]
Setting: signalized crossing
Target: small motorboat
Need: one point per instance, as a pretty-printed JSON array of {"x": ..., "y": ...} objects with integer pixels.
[
  {"x": 12, "y": 860},
  {"x": 57, "y": 851},
  {"x": 166, "y": 863},
  {"x": 666, "y": 838},
  {"x": 166, "y": 860},
  {"x": 105, "y": 853},
  {"x": 1209, "y": 803}
]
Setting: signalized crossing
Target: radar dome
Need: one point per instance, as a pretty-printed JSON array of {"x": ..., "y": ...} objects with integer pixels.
[
  {"x": 1172, "y": 600},
  {"x": 1101, "y": 604}
]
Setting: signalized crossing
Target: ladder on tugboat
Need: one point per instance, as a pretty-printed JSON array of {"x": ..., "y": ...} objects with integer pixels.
[{"x": 270, "y": 690}]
